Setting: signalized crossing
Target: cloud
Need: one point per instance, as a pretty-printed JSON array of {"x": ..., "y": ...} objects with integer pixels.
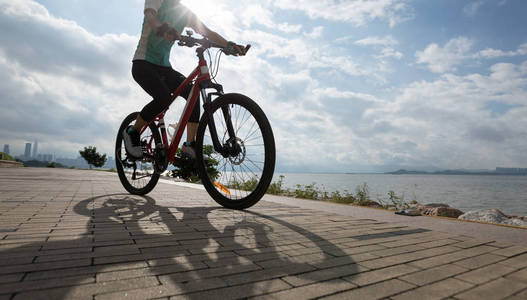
[
  {"x": 387, "y": 42},
  {"x": 494, "y": 53},
  {"x": 378, "y": 41},
  {"x": 451, "y": 115},
  {"x": 356, "y": 12},
  {"x": 471, "y": 9},
  {"x": 390, "y": 52},
  {"x": 256, "y": 13},
  {"x": 442, "y": 59},
  {"x": 457, "y": 50},
  {"x": 309, "y": 54},
  {"x": 59, "y": 81},
  {"x": 315, "y": 33}
]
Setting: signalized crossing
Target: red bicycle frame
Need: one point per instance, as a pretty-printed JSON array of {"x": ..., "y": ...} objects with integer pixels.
[{"x": 199, "y": 74}]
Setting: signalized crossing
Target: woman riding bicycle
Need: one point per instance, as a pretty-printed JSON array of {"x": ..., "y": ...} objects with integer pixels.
[{"x": 164, "y": 20}]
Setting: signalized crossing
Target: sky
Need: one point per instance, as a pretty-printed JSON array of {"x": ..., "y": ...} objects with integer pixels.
[{"x": 348, "y": 85}]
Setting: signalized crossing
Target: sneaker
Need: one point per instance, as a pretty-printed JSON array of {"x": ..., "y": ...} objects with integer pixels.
[
  {"x": 188, "y": 150},
  {"x": 132, "y": 142}
]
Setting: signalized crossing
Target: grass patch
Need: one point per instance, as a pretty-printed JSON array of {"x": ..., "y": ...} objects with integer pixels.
[{"x": 361, "y": 197}]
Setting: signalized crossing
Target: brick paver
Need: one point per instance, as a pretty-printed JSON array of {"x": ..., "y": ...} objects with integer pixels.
[{"x": 71, "y": 234}]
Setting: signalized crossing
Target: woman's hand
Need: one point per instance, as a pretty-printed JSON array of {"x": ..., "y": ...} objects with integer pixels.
[{"x": 237, "y": 50}]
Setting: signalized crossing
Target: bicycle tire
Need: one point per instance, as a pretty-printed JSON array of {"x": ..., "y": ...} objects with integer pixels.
[
  {"x": 217, "y": 192},
  {"x": 154, "y": 178}
]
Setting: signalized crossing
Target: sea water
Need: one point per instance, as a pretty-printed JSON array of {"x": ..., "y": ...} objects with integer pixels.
[{"x": 464, "y": 192}]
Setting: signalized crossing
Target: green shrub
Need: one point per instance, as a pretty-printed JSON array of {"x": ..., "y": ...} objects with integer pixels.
[
  {"x": 362, "y": 194},
  {"x": 275, "y": 188},
  {"x": 188, "y": 171},
  {"x": 306, "y": 191},
  {"x": 397, "y": 201},
  {"x": 5, "y": 156}
]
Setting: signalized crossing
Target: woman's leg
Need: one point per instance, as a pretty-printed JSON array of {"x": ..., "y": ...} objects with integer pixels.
[
  {"x": 149, "y": 77},
  {"x": 175, "y": 79},
  {"x": 152, "y": 79}
]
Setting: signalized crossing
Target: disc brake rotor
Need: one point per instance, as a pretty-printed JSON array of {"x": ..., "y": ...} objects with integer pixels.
[{"x": 240, "y": 157}]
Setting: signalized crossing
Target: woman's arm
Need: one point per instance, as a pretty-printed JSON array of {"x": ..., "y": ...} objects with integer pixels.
[
  {"x": 152, "y": 20},
  {"x": 198, "y": 26}
]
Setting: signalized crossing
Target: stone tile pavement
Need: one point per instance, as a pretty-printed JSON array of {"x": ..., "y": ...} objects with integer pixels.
[{"x": 78, "y": 234}]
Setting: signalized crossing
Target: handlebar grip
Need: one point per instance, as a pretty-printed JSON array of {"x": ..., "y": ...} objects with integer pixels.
[{"x": 230, "y": 50}]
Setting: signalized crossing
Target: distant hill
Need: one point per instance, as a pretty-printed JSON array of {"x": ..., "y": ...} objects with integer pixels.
[
  {"x": 498, "y": 171},
  {"x": 403, "y": 172}
]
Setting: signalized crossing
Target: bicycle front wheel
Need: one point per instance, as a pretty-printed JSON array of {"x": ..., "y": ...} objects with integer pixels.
[
  {"x": 137, "y": 176},
  {"x": 239, "y": 177}
]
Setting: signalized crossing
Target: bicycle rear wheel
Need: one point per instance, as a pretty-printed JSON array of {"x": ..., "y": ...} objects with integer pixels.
[
  {"x": 137, "y": 176},
  {"x": 239, "y": 179}
]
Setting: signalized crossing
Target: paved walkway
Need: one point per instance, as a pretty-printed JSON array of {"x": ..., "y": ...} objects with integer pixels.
[{"x": 77, "y": 234}]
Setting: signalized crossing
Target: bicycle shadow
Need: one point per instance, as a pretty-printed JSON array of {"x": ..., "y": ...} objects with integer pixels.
[{"x": 188, "y": 249}]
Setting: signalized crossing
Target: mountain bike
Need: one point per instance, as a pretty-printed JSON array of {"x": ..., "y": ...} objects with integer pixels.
[{"x": 235, "y": 148}]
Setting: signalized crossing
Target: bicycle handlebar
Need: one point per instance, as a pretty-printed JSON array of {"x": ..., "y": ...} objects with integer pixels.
[{"x": 188, "y": 41}]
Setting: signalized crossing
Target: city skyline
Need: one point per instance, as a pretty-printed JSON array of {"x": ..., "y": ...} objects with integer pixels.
[
  {"x": 71, "y": 161},
  {"x": 34, "y": 152}
]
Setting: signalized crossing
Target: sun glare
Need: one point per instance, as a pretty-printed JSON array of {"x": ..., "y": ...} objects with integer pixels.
[
  {"x": 203, "y": 9},
  {"x": 214, "y": 14}
]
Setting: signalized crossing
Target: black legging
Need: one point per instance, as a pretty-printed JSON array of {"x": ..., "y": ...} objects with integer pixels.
[{"x": 159, "y": 82}]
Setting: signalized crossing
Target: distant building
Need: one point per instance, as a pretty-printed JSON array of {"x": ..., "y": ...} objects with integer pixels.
[
  {"x": 6, "y": 148},
  {"x": 27, "y": 153},
  {"x": 35, "y": 149}
]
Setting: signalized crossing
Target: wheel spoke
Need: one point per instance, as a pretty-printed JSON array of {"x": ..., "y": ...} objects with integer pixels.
[{"x": 246, "y": 170}]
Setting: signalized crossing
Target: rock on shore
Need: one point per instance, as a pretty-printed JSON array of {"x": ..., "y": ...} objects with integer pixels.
[
  {"x": 437, "y": 209},
  {"x": 443, "y": 211},
  {"x": 493, "y": 216}
]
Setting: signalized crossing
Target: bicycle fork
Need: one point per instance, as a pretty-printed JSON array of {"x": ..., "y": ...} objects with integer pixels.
[{"x": 226, "y": 149}]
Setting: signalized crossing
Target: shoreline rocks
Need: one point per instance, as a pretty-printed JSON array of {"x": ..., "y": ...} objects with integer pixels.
[
  {"x": 443, "y": 211},
  {"x": 437, "y": 209},
  {"x": 494, "y": 216}
]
